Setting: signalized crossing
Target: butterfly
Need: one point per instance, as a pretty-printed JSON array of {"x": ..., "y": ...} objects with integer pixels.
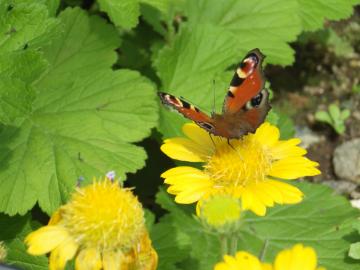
[{"x": 245, "y": 106}]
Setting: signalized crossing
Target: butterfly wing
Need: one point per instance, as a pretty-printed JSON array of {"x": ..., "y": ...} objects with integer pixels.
[
  {"x": 247, "y": 82},
  {"x": 188, "y": 110},
  {"x": 256, "y": 109}
]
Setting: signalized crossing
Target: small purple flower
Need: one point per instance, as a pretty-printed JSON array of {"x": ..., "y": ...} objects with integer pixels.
[{"x": 111, "y": 175}]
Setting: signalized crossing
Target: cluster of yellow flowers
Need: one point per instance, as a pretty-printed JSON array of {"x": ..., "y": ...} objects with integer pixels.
[
  {"x": 296, "y": 258},
  {"x": 102, "y": 226}
]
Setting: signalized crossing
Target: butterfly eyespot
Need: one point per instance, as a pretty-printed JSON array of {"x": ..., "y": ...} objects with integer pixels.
[
  {"x": 206, "y": 126},
  {"x": 255, "y": 101}
]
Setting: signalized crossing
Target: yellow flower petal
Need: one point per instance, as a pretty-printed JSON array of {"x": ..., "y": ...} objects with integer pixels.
[
  {"x": 181, "y": 170},
  {"x": 251, "y": 202},
  {"x": 55, "y": 218},
  {"x": 200, "y": 136},
  {"x": 294, "y": 167},
  {"x": 63, "y": 253},
  {"x": 147, "y": 258},
  {"x": 296, "y": 258},
  {"x": 112, "y": 260},
  {"x": 187, "y": 183},
  {"x": 181, "y": 175},
  {"x": 267, "y": 266},
  {"x": 45, "y": 239},
  {"x": 184, "y": 149},
  {"x": 88, "y": 259},
  {"x": 187, "y": 186},
  {"x": 241, "y": 261},
  {"x": 289, "y": 193},
  {"x": 267, "y": 134},
  {"x": 190, "y": 196},
  {"x": 285, "y": 149}
]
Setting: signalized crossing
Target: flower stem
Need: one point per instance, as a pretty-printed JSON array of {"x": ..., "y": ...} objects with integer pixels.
[
  {"x": 233, "y": 244},
  {"x": 224, "y": 244}
]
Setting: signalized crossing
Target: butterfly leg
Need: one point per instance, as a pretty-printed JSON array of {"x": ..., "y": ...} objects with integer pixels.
[
  {"x": 212, "y": 140},
  {"x": 228, "y": 142}
]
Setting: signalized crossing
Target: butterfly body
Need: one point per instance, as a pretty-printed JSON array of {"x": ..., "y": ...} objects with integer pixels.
[{"x": 245, "y": 106}]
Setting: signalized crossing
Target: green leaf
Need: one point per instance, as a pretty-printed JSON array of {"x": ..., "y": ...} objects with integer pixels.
[
  {"x": 15, "y": 99},
  {"x": 25, "y": 25},
  {"x": 161, "y": 5},
  {"x": 266, "y": 24},
  {"x": 149, "y": 219},
  {"x": 286, "y": 126},
  {"x": 53, "y": 6},
  {"x": 334, "y": 112},
  {"x": 340, "y": 46},
  {"x": 322, "y": 220},
  {"x": 272, "y": 117},
  {"x": 171, "y": 245},
  {"x": 123, "y": 13},
  {"x": 354, "y": 251},
  {"x": 82, "y": 121},
  {"x": 313, "y": 13},
  {"x": 323, "y": 116},
  {"x": 356, "y": 225},
  {"x": 345, "y": 114},
  {"x": 25, "y": 65},
  {"x": 356, "y": 89},
  {"x": 318, "y": 222},
  {"x": 13, "y": 231}
]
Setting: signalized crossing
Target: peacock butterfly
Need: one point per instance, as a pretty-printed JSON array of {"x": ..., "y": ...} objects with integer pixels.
[{"x": 245, "y": 106}]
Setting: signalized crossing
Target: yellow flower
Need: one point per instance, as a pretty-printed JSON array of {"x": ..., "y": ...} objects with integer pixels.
[
  {"x": 102, "y": 226},
  {"x": 296, "y": 258},
  {"x": 247, "y": 168}
]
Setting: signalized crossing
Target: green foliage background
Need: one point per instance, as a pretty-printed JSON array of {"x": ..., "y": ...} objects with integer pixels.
[{"x": 78, "y": 92}]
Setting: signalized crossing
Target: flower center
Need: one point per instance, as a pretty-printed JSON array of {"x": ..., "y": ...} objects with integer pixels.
[
  {"x": 240, "y": 164},
  {"x": 105, "y": 216}
]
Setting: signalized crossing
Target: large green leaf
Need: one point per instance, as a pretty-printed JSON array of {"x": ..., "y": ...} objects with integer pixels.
[
  {"x": 24, "y": 28},
  {"x": 320, "y": 221},
  {"x": 13, "y": 231},
  {"x": 313, "y": 13},
  {"x": 123, "y": 13},
  {"x": 82, "y": 119},
  {"x": 264, "y": 24}
]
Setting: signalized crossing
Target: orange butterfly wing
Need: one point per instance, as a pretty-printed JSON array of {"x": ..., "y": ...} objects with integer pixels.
[{"x": 247, "y": 82}]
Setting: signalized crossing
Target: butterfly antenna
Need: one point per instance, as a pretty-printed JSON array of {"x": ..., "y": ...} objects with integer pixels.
[{"x": 213, "y": 108}]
